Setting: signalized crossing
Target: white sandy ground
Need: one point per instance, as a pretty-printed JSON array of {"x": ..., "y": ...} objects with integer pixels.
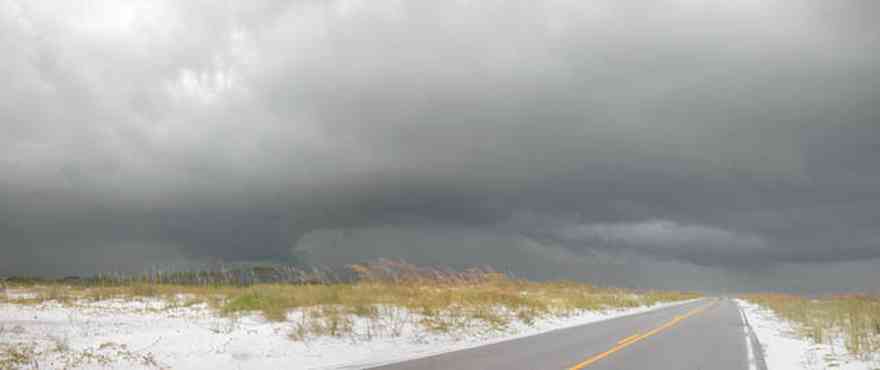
[
  {"x": 151, "y": 334},
  {"x": 785, "y": 350}
]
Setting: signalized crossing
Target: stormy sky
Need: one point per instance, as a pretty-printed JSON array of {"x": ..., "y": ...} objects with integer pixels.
[{"x": 697, "y": 144}]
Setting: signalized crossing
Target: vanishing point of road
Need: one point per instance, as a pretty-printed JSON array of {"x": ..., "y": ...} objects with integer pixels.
[{"x": 709, "y": 334}]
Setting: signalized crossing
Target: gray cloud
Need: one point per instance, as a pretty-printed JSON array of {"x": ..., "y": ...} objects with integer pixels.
[
  {"x": 697, "y": 243},
  {"x": 699, "y": 132}
]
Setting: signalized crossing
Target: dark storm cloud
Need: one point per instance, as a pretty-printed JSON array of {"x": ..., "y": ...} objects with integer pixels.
[{"x": 711, "y": 133}]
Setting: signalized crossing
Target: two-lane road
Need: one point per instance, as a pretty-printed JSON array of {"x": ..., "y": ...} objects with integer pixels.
[{"x": 709, "y": 334}]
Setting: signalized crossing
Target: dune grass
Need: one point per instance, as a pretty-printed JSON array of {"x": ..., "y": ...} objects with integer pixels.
[
  {"x": 853, "y": 318},
  {"x": 522, "y": 297},
  {"x": 383, "y": 293},
  {"x": 18, "y": 356}
]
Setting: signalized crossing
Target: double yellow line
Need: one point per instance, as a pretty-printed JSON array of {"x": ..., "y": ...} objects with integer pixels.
[{"x": 628, "y": 341}]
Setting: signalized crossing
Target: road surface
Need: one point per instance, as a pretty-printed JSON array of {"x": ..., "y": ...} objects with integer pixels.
[{"x": 705, "y": 335}]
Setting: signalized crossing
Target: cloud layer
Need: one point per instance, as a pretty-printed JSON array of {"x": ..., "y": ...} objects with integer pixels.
[{"x": 721, "y": 134}]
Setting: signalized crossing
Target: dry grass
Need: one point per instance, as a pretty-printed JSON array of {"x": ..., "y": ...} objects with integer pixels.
[
  {"x": 385, "y": 293},
  {"x": 328, "y": 309},
  {"x": 18, "y": 356},
  {"x": 21, "y": 356},
  {"x": 854, "y": 318}
]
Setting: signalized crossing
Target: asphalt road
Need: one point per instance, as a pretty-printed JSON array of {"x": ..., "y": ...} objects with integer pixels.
[{"x": 710, "y": 334}]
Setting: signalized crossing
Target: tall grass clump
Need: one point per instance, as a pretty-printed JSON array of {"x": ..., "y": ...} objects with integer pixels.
[{"x": 854, "y": 318}]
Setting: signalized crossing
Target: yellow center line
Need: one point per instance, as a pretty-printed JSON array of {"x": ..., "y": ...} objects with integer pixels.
[
  {"x": 628, "y": 341},
  {"x": 629, "y": 338}
]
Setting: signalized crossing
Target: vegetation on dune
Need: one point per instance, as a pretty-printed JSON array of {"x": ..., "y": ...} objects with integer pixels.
[
  {"x": 854, "y": 318},
  {"x": 384, "y": 293},
  {"x": 17, "y": 356},
  {"x": 28, "y": 355}
]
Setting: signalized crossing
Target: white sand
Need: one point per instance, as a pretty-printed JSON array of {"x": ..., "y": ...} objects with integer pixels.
[
  {"x": 784, "y": 350},
  {"x": 150, "y": 334}
]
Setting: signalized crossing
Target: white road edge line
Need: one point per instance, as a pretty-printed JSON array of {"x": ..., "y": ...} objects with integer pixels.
[{"x": 749, "y": 349}]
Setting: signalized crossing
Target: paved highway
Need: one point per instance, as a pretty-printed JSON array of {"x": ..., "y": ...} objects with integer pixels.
[{"x": 710, "y": 334}]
